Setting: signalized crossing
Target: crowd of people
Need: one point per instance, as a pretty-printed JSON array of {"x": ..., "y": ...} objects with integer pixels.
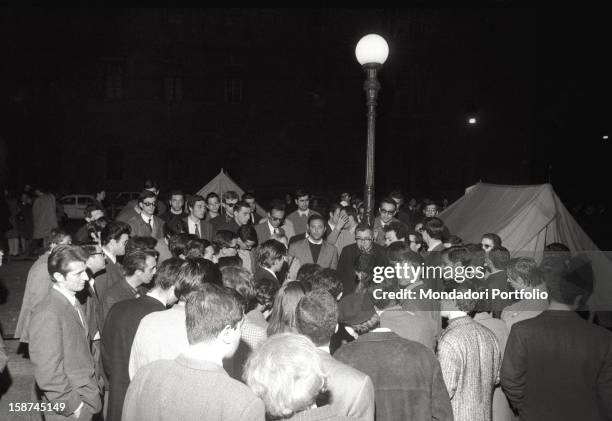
[{"x": 206, "y": 310}]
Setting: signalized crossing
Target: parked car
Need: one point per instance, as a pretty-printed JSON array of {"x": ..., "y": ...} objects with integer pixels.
[{"x": 74, "y": 205}]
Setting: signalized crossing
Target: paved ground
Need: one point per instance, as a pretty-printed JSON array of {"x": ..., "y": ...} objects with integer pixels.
[{"x": 16, "y": 380}]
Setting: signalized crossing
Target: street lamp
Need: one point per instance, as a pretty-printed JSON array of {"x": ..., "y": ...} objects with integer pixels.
[{"x": 371, "y": 52}]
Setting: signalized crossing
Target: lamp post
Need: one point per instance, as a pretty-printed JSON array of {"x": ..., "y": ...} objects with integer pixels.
[{"x": 371, "y": 52}]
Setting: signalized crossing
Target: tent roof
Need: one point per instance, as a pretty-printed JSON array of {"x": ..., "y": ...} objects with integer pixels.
[
  {"x": 527, "y": 218},
  {"x": 222, "y": 183}
]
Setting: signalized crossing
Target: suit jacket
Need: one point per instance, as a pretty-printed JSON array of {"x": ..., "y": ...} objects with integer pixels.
[
  {"x": 300, "y": 222},
  {"x": 109, "y": 277},
  {"x": 255, "y": 218},
  {"x": 219, "y": 220},
  {"x": 558, "y": 366},
  {"x": 346, "y": 263},
  {"x": 141, "y": 229},
  {"x": 407, "y": 378},
  {"x": 119, "y": 292},
  {"x": 196, "y": 389},
  {"x": 207, "y": 229},
  {"x": 328, "y": 257},
  {"x": 350, "y": 392},
  {"x": 60, "y": 352},
  {"x": 230, "y": 225},
  {"x": 118, "y": 335},
  {"x": 263, "y": 232},
  {"x": 37, "y": 286}
]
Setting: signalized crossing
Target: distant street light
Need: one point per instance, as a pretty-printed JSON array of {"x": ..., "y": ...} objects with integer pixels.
[
  {"x": 605, "y": 137},
  {"x": 472, "y": 120},
  {"x": 371, "y": 52}
]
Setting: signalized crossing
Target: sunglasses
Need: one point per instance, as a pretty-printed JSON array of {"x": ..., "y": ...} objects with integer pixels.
[{"x": 149, "y": 203}]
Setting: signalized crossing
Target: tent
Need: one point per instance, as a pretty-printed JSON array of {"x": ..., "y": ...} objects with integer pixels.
[
  {"x": 223, "y": 183},
  {"x": 527, "y": 218}
]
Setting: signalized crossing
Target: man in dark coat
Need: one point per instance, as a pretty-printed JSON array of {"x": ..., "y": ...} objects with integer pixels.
[
  {"x": 120, "y": 328},
  {"x": 364, "y": 237},
  {"x": 558, "y": 366}
]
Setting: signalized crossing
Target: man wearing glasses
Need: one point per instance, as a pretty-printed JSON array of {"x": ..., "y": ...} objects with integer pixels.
[
  {"x": 146, "y": 224},
  {"x": 387, "y": 209},
  {"x": 275, "y": 225},
  {"x": 364, "y": 243},
  {"x": 230, "y": 198}
]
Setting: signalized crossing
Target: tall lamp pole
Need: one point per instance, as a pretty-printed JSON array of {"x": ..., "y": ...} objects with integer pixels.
[{"x": 371, "y": 52}]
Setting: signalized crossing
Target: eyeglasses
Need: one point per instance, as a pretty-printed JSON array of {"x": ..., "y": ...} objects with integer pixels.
[
  {"x": 387, "y": 212},
  {"x": 149, "y": 203},
  {"x": 277, "y": 219}
]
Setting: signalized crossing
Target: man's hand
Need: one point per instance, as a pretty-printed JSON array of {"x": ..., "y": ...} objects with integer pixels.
[{"x": 342, "y": 221}]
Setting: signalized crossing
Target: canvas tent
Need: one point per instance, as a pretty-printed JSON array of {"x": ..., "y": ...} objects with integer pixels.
[
  {"x": 527, "y": 218},
  {"x": 223, "y": 183}
]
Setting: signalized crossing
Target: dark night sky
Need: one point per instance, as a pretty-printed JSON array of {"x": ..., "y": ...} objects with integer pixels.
[{"x": 537, "y": 80}]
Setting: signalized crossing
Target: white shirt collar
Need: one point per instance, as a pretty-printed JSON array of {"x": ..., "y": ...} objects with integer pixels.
[
  {"x": 157, "y": 298},
  {"x": 315, "y": 242},
  {"x": 303, "y": 213},
  {"x": 332, "y": 226},
  {"x": 112, "y": 258},
  {"x": 271, "y": 271},
  {"x": 65, "y": 293},
  {"x": 192, "y": 224},
  {"x": 147, "y": 218}
]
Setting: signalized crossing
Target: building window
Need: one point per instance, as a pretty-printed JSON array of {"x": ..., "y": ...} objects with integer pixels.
[
  {"x": 233, "y": 90},
  {"x": 173, "y": 88},
  {"x": 114, "y": 81}
]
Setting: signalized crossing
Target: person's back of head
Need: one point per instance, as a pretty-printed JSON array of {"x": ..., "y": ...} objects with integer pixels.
[
  {"x": 282, "y": 318},
  {"x": 435, "y": 228},
  {"x": 194, "y": 273},
  {"x": 195, "y": 247},
  {"x": 229, "y": 262},
  {"x": 140, "y": 243},
  {"x": 524, "y": 270},
  {"x": 305, "y": 272},
  {"x": 499, "y": 258},
  {"x": 286, "y": 372},
  {"x": 177, "y": 244},
  {"x": 167, "y": 273},
  {"x": 213, "y": 315},
  {"x": 241, "y": 281},
  {"x": 400, "y": 252},
  {"x": 265, "y": 290},
  {"x": 328, "y": 280},
  {"x": 568, "y": 281},
  {"x": 317, "y": 316}
]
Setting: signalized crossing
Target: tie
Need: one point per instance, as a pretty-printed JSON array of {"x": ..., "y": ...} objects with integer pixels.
[
  {"x": 77, "y": 306},
  {"x": 151, "y": 224},
  {"x": 197, "y": 230}
]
